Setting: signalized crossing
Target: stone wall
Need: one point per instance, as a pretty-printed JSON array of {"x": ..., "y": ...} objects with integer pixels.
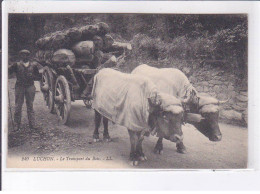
[{"x": 223, "y": 85}]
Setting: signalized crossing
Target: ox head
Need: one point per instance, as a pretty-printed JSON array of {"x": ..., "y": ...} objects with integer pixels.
[
  {"x": 166, "y": 116},
  {"x": 208, "y": 107}
]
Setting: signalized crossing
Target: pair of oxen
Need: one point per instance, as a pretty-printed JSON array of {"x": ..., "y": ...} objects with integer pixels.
[{"x": 152, "y": 101}]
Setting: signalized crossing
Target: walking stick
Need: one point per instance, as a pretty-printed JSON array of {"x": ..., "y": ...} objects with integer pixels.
[{"x": 10, "y": 109}]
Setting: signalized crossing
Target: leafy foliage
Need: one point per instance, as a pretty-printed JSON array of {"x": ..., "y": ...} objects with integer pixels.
[{"x": 217, "y": 39}]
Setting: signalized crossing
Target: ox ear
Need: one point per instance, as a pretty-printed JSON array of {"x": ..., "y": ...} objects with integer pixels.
[
  {"x": 194, "y": 97},
  {"x": 193, "y": 93},
  {"x": 154, "y": 105},
  {"x": 190, "y": 96}
]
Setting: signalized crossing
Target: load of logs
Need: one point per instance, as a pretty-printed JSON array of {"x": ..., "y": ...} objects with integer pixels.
[{"x": 87, "y": 44}]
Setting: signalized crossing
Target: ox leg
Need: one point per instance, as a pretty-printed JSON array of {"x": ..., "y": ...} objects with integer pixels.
[
  {"x": 159, "y": 146},
  {"x": 106, "y": 136},
  {"x": 133, "y": 142},
  {"x": 139, "y": 148},
  {"x": 97, "y": 125},
  {"x": 181, "y": 148}
]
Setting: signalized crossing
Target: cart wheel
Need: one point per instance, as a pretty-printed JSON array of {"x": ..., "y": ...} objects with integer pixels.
[
  {"x": 62, "y": 99},
  {"x": 47, "y": 88},
  {"x": 88, "y": 103}
]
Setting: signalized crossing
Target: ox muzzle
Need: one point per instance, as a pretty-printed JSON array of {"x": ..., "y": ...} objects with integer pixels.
[{"x": 176, "y": 138}]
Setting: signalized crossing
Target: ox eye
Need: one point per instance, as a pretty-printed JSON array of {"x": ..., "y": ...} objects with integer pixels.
[{"x": 165, "y": 118}]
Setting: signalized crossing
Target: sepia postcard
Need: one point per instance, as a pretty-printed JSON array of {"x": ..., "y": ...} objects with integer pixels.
[{"x": 103, "y": 89}]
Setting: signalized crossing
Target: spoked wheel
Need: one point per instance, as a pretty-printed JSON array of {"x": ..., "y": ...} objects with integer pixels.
[
  {"x": 88, "y": 103},
  {"x": 47, "y": 88},
  {"x": 62, "y": 99}
]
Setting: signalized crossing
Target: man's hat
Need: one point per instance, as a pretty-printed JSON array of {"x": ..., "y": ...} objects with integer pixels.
[{"x": 24, "y": 52}]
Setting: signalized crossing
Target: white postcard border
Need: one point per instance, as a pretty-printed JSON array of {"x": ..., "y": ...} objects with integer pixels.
[{"x": 95, "y": 180}]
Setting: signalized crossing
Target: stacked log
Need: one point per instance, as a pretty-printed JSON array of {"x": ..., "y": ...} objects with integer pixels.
[
  {"x": 63, "y": 57},
  {"x": 44, "y": 56},
  {"x": 64, "y": 39},
  {"x": 84, "y": 49},
  {"x": 119, "y": 45},
  {"x": 73, "y": 35},
  {"x": 87, "y": 44}
]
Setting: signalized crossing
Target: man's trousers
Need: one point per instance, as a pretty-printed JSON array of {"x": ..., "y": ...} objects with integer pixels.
[{"x": 27, "y": 92}]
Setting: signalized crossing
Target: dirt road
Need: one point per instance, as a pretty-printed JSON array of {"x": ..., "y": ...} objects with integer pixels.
[{"x": 75, "y": 140}]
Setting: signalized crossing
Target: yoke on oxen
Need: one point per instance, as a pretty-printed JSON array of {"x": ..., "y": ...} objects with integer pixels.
[{"x": 201, "y": 111}]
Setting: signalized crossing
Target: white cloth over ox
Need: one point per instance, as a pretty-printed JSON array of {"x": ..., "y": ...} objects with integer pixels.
[
  {"x": 168, "y": 80},
  {"x": 123, "y": 98},
  {"x": 174, "y": 82}
]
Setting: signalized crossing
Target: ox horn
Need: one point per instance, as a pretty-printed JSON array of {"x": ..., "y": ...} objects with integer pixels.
[{"x": 223, "y": 101}]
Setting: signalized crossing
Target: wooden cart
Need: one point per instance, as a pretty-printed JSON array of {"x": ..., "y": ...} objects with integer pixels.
[{"x": 58, "y": 91}]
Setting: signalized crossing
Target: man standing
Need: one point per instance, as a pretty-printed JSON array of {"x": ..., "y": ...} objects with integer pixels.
[{"x": 26, "y": 72}]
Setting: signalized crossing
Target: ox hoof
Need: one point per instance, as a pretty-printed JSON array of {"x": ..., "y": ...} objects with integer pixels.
[
  {"x": 181, "y": 149},
  {"x": 96, "y": 137},
  {"x": 107, "y": 138},
  {"x": 143, "y": 158},
  {"x": 134, "y": 163},
  {"x": 156, "y": 151},
  {"x": 96, "y": 140}
]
